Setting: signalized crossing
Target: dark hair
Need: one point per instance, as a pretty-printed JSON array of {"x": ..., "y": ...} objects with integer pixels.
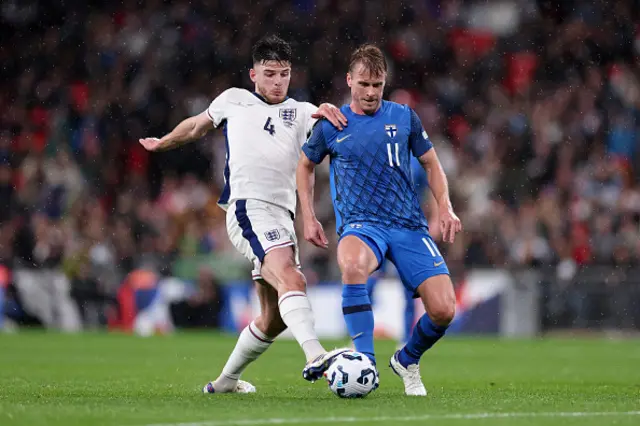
[
  {"x": 371, "y": 58},
  {"x": 271, "y": 48}
]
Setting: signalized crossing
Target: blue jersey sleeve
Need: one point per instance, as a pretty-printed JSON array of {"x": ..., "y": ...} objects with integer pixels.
[
  {"x": 316, "y": 147},
  {"x": 420, "y": 181},
  {"x": 418, "y": 139}
]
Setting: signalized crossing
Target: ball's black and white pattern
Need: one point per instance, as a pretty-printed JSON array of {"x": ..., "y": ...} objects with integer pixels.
[{"x": 352, "y": 375}]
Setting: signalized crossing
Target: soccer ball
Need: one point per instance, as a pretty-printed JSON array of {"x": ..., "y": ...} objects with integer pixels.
[{"x": 352, "y": 375}]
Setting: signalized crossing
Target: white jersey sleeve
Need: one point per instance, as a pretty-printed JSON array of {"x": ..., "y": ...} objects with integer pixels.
[
  {"x": 217, "y": 111},
  {"x": 310, "y": 109}
]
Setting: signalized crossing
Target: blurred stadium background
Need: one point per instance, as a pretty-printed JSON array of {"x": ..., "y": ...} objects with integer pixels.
[{"x": 533, "y": 106}]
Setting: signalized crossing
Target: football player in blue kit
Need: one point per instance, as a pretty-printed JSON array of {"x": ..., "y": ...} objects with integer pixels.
[
  {"x": 421, "y": 184},
  {"x": 378, "y": 214}
]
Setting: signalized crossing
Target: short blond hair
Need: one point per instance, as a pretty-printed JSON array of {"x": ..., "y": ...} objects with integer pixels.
[{"x": 371, "y": 58}]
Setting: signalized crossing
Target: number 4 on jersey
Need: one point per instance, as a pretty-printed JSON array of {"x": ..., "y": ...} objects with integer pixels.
[{"x": 269, "y": 127}]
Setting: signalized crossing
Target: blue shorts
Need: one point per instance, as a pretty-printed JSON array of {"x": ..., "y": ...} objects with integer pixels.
[{"x": 414, "y": 253}]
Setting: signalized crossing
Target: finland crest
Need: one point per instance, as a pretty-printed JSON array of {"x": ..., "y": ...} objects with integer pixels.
[
  {"x": 391, "y": 130},
  {"x": 272, "y": 235},
  {"x": 288, "y": 116}
]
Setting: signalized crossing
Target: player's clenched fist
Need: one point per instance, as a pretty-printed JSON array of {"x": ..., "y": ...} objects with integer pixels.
[
  {"x": 314, "y": 233},
  {"x": 450, "y": 225},
  {"x": 150, "y": 144}
]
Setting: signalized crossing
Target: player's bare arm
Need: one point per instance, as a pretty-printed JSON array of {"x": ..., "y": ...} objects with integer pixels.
[
  {"x": 305, "y": 177},
  {"x": 332, "y": 113},
  {"x": 189, "y": 130},
  {"x": 449, "y": 223}
]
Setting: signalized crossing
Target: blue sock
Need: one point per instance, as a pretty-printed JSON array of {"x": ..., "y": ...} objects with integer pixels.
[
  {"x": 424, "y": 335},
  {"x": 409, "y": 315},
  {"x": 356, "y": 308}
]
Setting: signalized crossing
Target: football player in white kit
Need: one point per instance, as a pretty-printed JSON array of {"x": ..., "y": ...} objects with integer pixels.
[{"x": 264, "y": 132}]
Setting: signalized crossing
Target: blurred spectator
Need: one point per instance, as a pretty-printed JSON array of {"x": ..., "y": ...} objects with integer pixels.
[
  {"x": 90, "y": 298},
  {"x": 7, "y": 192},
  {"x": 202, "y": 309}
]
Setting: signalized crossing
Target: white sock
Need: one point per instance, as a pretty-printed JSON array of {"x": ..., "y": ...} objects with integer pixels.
[
  {"x": 296, "y": 313},
  {"x": 251, "y": 344}
]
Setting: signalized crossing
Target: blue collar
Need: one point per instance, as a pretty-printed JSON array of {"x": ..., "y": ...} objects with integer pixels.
[{"x": 259, "y": 96}]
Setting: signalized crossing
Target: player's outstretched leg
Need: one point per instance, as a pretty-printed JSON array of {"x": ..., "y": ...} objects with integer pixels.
[
  {"x": 254, "y": 340},
  {"x": 409, "y": 316},
  {"x": 279, "y": 269},
  {"x": 357, "y": 261},
  {"x": 409, "y": 311},
  {"x": 438, "y": 298},
  {"x": 372, "y": 283}
]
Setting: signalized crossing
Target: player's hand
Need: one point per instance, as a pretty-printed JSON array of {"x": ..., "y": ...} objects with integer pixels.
[
  {"x": 150, "y": 144},
  {"x": 331, "y": 113},
  {"x": 450, "y": 225},
  {"x": 314, "y": 233}
]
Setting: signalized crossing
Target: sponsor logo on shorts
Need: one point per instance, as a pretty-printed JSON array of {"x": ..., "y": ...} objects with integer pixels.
[
  {"x": 273, "y": 235},
  {"x": 436, "y": 264}
]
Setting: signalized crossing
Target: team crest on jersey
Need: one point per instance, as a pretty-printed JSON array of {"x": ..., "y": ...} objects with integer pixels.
[
  {"x": 272, "y": 235},
  {"x": 288, "y": 115},
  {"x": 391, "y": 129}
]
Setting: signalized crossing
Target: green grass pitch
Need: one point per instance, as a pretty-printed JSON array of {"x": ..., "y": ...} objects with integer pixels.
[{"x": 118, "y": 380}]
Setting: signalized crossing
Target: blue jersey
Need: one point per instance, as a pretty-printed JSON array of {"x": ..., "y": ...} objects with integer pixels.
[
  {"x": 420, "y": 181},
  {"x": 371, "y": 177}
]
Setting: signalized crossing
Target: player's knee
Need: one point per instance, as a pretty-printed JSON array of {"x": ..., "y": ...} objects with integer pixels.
[
  {"x": 354, "y": 273},
  {"x": 442, "y": 314},
  {"x": 291, "y": 279},
  {"x": 280, "y": 270}
]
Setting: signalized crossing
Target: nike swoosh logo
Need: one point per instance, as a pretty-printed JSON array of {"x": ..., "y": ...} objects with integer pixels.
[
  {"x": 436, "y": 264},
  {"x": 343, "y": 138},
  {"x": 356, "y": 336}
]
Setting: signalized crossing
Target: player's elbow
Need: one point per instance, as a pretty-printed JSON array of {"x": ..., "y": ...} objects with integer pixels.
[
  {"x": 199, "y": 125},
  {"x": 197, "y": 131}
]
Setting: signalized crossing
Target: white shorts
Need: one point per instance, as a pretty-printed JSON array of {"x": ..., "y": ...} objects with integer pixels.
[{"x": 256, "y": 227}]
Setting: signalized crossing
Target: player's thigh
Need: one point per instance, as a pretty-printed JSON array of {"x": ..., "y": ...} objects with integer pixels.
[
  {"x": 439, "y": 298},
  {"x": 359, "y": 255},
  {"x": 257, "y": 229},
  {"x": 269, "y": 322},
  {"x": 281, "y": 269},
  {"x": 416, "y": 257}
]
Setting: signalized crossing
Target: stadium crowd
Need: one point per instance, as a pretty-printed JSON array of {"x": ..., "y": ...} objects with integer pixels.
[{"x": 533, "y": 107}]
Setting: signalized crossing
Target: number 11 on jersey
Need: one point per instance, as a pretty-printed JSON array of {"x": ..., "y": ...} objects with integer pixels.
[{"x": 391, "y": 157}]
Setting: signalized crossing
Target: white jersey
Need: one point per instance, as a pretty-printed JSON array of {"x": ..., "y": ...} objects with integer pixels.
[{"x": 263, "y": 146}]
